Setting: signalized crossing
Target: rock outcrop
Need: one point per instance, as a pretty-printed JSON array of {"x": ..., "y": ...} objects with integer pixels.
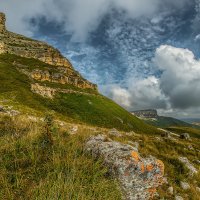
[
  {"x": 139, "y": 177},
  {"x": 145, "y": 113},
  {"x": 2, "y": 23},
  {"x": 19, "y": 45}
]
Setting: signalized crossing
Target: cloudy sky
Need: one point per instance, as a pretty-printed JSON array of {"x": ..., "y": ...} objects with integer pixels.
[{"x": 142, "y": 53}]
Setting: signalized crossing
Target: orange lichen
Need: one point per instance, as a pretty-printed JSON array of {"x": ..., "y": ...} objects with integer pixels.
[
  {"x": 142, "y": 168},
  {"x": 135, "y": 155},
  {"x": 161, "y": 166},
  {"x": 152, "y": 191},
  {"x": 149, "y": 167}
]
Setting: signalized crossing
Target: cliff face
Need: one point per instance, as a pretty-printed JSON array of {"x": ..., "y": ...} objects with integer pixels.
[
  {"x": 146, "y": 113},
  {"x": 19, "y": 45}
]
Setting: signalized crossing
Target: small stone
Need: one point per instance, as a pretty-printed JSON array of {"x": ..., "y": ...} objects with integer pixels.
[
  {"x": 185, "y": 186},
  {"x": 198, "y": 189},
  {"x": 178, "y": 198},
  {"x": 73, "y": 130},
  {"x": 190, "y": 147},
  {"x": 170, "y": 190},
  {"x": 166, "y": 134},
  {"x": 185, "y": 136},
  {"x": 187, "y": 163}
]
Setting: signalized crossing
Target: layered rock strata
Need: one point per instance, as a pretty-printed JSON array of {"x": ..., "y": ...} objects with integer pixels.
[{"x": 19, "y": 45}]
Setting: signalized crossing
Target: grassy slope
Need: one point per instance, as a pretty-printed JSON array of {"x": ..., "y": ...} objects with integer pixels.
[
  {"x": 91, "y": 109},
  {"x": 192, "y": 131},
  {"x": 32, "y": 168},
  {"x": 164, "y": 122}
]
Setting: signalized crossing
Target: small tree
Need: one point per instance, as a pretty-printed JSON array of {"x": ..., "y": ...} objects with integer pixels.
[{"x": 49, "y": 127}]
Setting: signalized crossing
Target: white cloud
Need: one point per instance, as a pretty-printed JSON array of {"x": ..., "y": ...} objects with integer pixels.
[
  {"x": 180, "y": 80},
  {"x": 78, "y": 16},
  {"x": 177, "y": 90}
]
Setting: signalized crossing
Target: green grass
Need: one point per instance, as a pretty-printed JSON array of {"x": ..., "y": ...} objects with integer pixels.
[
  {"x": 164, "y": 122},
  {"x": 32, "y": 168},
  {"x": 79, "y": 108},
  {"x": 192, "y": 131}
]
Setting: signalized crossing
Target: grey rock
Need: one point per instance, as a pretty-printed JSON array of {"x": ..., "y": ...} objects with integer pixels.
[
  {"x": 185, "y": 186},
  {"x": 138, "y": 177},
  {"x": 170, "y": 190},
  {"x": 178, "y": 198},
  {"x": 185, "y": 136},
  {"x": 187, "y": 163}
]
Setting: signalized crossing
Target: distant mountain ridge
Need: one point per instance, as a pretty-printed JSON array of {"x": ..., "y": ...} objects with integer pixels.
[{"x": 151, "y": 116}]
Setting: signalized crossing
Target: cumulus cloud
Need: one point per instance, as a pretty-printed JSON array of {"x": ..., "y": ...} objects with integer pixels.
[
  {"x": 119, "y": 95},
  {"x": 180, "y": 79},
  {"x": 140, "y": 94},
  {"x": 176, "y": 90},
  {"x": 78, "y": 16}
]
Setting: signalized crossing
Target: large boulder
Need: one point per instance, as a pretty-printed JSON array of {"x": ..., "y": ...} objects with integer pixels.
[{"x": 139, "y": 177}]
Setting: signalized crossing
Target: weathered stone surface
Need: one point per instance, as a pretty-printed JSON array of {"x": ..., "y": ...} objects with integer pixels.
[
  {"x": 139, "y": 177},
  {"x": 185, "y": 186},
  {"x": 64, "y": 77},
  {"x": 187, "y": 163},
  {"x": 43, "y": 91},
  {"x": 49, "y": 92}
]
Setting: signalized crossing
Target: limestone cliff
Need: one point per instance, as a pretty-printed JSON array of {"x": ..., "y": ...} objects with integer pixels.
[
  {"x": 19, "y": 45},
  {"x": 146, "y": 113}
]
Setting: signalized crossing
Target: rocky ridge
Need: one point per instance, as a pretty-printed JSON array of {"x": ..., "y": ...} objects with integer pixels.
[
  {"x": 12, "y": 43},
  {"x": 145, "y": 113}
]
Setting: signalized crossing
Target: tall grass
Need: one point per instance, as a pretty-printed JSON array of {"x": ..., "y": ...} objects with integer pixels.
[{"x": 32, "y": 168}]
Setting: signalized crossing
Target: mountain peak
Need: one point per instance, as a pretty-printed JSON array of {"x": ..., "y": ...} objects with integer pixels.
[{"x": 2, "y": 22}]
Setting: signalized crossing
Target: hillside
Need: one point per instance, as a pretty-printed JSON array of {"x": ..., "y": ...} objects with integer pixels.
[
  {"x": 36, "y": 78},
  {"x": 61, "y": 139}
]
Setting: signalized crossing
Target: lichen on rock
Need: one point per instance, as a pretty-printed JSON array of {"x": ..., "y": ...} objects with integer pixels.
[{"x": 138, "y": 177}]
